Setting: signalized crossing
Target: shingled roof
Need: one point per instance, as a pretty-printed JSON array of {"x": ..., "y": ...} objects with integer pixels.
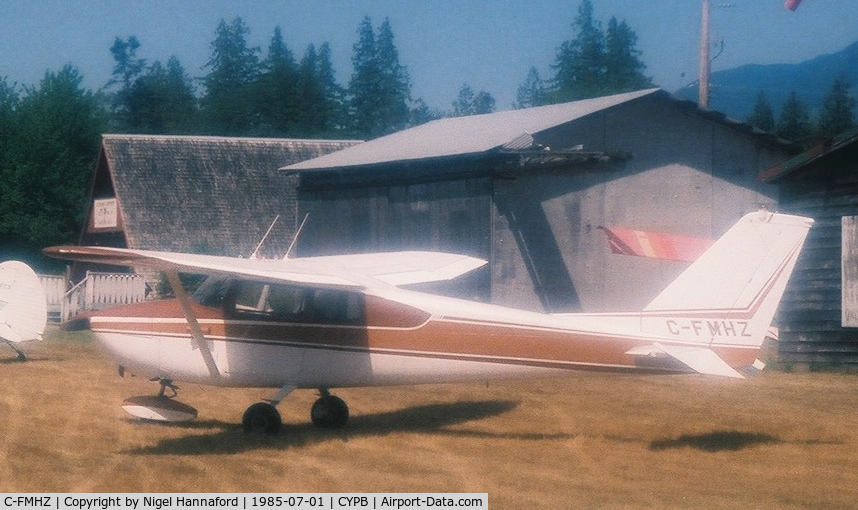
[{"x": 204, "y": 194}]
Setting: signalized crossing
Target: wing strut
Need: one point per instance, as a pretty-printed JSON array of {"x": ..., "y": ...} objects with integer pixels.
[{"x": 193, "y": 324}]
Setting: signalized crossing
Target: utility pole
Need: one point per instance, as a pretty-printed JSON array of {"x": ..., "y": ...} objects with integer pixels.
[{"x": 703, "y": 89}]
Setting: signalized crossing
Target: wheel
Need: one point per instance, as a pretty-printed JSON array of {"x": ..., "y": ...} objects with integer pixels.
[
  {"x": 330, "y": 412},
  {"x": 261, "y": 418}
]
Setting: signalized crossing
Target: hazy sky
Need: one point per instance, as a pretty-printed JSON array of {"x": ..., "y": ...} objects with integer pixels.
[{"x": 444, "y": 43}]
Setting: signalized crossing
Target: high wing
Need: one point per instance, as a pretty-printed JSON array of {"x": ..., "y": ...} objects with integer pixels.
[{"x": 346, "y": 271}]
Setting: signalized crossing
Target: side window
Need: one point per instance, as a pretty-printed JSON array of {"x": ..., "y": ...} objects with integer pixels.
[
  {"x": 287, "y": 303},
  {"x": 338, "y": 307},
  {"x": 252, "y": 297}
]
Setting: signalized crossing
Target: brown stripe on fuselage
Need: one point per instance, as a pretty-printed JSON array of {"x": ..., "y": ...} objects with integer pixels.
[{"x": 393, "y": 327}]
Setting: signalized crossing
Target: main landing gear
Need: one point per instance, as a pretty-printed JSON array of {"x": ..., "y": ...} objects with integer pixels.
[{"x": 328, "y": 411}]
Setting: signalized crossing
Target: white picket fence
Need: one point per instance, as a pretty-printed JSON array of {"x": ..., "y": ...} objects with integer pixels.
[
  {"x": 96, "y": 291},
  {"x": 55, "y": 291}
]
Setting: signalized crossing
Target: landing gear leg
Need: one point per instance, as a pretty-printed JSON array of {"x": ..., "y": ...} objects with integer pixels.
[
  {"x": 160, "y": 407},
  {"x": 167, "y": 384},
  {"x": 21, "y": 355},
  {"x": 329, "y": 411},
  {"x": 263, "y": 417}
]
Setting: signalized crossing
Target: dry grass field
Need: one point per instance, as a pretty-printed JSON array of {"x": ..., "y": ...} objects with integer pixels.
[{"x": 590, "y": 441}]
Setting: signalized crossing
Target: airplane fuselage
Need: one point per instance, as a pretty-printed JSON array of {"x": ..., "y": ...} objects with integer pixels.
[{"x": 317, "y": 338}]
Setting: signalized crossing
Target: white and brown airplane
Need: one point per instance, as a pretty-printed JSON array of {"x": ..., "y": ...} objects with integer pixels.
[{"x": 346, "y": 321}]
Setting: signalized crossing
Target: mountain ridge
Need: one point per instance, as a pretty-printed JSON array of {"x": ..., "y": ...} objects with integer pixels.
[{"x": 734, "y": 91}]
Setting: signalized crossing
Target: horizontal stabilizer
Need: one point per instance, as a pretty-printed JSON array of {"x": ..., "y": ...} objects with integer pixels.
[{"x": 699, "y": 359}]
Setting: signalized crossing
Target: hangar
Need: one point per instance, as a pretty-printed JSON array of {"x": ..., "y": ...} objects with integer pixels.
[
  {"x": 819, "y": 311},
  {"x": 529, "y": 189},
  {"x": 198, "y": 194}
]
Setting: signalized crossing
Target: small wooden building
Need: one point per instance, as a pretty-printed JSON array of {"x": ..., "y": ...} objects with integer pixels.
[
  {"x": 197, "y": 194},
  {"x": 818, "y": 316},
  {"x": 528, "y": 190}
]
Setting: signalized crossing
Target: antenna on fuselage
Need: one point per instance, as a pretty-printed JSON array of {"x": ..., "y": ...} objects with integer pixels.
[
  {"x": 255, "y": 253},
  {"x": 297, "y": 233}
]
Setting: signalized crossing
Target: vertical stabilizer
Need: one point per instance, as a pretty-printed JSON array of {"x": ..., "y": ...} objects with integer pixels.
[{"x": 730, "y": 294}]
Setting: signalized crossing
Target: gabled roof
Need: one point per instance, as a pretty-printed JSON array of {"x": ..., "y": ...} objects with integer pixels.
[
  {"x": 461, "y": 136},
  {"x": 507, "y": 130},
  {"x": 213, "y": 194}
]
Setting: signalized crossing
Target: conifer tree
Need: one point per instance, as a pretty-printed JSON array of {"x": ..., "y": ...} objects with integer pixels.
[
  {"x": 47, "y": 164},
  {"x": 763, "y": 116},
  {"x": 469, "y": 103},
  {"x": 837, "y": 111},
  {"x": 162, "y": 99},
  {"x": 228, "y": 105},
  {"x": 276, "y": 93},
  {"x": 596, "y": 63},
  {"x": 395, "y": 86},
  {"x": 421, "y": 113},
  {"x": 580, "y": 62},
  {"x": 331, "y": 106},
  {"x": 379, "y": 89},
  {"x": 8, "y": 105},
  {"x": 623, "y": 67},
  {"x": 127, "y": 69},
  {"x": 320, "y": 98},
  {"x": 532, "y": 92},
  {"x": 794, "y": 121}
]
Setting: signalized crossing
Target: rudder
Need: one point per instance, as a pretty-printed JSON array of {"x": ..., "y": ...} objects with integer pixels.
[{"x": 729, "y": 295}]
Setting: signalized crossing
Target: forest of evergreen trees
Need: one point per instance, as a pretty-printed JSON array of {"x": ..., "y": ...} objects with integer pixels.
[{"x": 50, "y": 132}]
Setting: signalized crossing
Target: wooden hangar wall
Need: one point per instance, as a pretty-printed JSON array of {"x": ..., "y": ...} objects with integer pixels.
[
  {"x": 667, "y": 168},
  {"x": 818, "y": 316}
]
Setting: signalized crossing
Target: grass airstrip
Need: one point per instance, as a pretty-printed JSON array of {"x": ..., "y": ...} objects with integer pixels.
[{"x": 778, "y": 440}]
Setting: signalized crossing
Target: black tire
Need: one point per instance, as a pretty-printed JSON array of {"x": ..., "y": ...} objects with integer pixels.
[
  {"x": 261, "y": 418},
  {"x": 330, "y": 412}
]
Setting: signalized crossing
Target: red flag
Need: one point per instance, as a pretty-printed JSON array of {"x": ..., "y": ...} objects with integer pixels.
[{"x": 792, "y": 4}]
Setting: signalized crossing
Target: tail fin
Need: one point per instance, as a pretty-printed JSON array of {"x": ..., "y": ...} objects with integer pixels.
[
  {"x": 23, "y": 307},
  {"x": 729, "y": 295}
]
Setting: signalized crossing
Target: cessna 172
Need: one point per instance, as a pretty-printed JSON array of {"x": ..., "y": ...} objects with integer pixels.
[
  {"x": 23, "y": 306},
  {"x": 345, "y": 321}
]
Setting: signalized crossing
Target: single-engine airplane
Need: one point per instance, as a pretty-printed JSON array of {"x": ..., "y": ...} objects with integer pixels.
[
  {"x": 23, "y": 307},
  {"x": 345, "y": 321}
]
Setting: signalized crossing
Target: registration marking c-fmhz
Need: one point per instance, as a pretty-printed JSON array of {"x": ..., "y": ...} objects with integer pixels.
[{"x": 708, "y": 327}]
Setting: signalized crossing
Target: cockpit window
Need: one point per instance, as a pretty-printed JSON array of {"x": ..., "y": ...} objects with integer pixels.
[
  {"x": 212, "y": 291},
  {"x": 289, "y": 303}
]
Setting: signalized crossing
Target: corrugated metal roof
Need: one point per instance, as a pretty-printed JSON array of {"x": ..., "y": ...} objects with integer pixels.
[{"x": 464, "y": 135}]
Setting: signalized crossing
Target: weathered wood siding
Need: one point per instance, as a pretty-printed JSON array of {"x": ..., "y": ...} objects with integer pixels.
[
  {"x": 686, "y": 173},
  {"x": 815, "y": 327},
  {"x": 201, "y": 194},
  {"x": 451, "y": 216}
]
